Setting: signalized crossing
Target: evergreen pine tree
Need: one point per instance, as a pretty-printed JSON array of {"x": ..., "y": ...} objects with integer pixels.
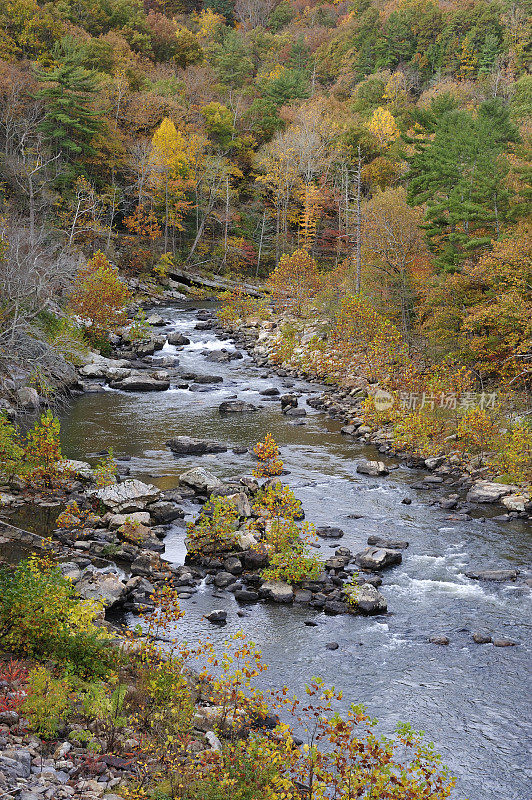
[{"x": 69, "y": 123}]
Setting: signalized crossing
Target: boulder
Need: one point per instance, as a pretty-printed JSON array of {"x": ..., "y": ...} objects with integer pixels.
[
  {"x": 117, "y": 520},
  {"x": 155, "y": 319},
  {"x": 218, "y": 356},
  {"x": 271, "y": 391},
  {"x": 178, "y": 339},
  {"x": 241, "y": 503},
  {"x": 147, "y": 563},
  {"x": 166, "y": 511},
  {"x": 131, "y": 495},
  {"x": 27, "y": 397},
  {"x": 365, "y": 599},
  {"x": 223, "y": 579},
  {"x": 188, "y": 445},
  {"x": 388, "y": 544},
  {"x": 516, "y": 502},
  {"x": 246, "y": 596},
  {"x": 105, "y": 587},
  {"x": 377, "y": 558},
  {"x": 289, "y": 401},
  {"x": 80, "y": 469},
  {"x": 235, "y": 406},
  {"x": 328, "y": 532},
  {"x": 255, "y": 558},
  {"x": 494, "y": 575},
  {"x": 217, "y": 617},
  {"x": 373, "y": 468},
  {"x": 489, "y": 492},
  {"x": 245, "y": 540},
  {"x": 277, "y": 591},
  {"x": 440, "y": 639},
  {"x": 141, "y": 382},
  {"x": 481, "y": 638},
  {"x": 201, "y": 480}
]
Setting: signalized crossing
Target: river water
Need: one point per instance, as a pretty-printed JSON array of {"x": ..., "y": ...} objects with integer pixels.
[{"x": 469, "y": 699}]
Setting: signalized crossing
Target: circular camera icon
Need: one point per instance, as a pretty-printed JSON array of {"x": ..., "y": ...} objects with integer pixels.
[{"x": 382, "y": 400}]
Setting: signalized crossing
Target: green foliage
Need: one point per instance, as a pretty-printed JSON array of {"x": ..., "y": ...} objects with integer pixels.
[
  {"x": 40, "y": 616},
  {"x": 70, "y": 123},
  {"x": 459, "y": 175},
  {"x": 214, "y": 529},
  {"x": 69, "y": 340},
  {"x": 11, "y": 450},
  {"x": 293, "y": 564},
  {"x": 47, "y": 704}
]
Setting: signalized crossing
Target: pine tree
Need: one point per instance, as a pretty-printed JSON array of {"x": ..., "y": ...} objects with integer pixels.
[
  {"x": 459, "y": 176},
  {"x": 69, "y": 124}
]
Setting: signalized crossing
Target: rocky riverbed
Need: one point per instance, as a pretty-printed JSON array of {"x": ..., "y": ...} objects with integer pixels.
[{"x": 462, "y": 580}]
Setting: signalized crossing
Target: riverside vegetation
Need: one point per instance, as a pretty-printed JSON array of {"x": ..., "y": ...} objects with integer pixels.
[{"x": 364, "y": 162}]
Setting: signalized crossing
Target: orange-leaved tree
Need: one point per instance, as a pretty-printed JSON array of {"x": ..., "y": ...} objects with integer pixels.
[
  {"x": 99, "y": 297},
  {"x": 294, "y": 282}
]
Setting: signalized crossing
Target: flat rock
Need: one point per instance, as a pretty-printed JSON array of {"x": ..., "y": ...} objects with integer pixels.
[
  {"x": 329, "y": 532},
  {"x": 388, "y": 544},
  {"x": 188, "y": 445},
  {"x": 278, "y": 591},
  {"x": 138, "y": 382},
  {"x": 516, "y": 502},
  {"x": 494, "y": 575},
  {"x": 377, "y": 558},
  {"x": 130, "y": 495},
  {"x": 489, "y": 492}
]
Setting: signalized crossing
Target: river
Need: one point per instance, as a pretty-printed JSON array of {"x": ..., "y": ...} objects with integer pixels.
[{"x": 469, "y": 699}]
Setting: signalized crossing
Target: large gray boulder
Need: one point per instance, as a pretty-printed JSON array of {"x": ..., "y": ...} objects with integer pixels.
[
  {"x": 278, "y": 591},
  {"x": 377, "y": 558},
  {"x": 489, "y": 492},
  {"x": 188, "y": 445},
  {"x": 131, "y": 495},
  {"x": 178, "y": 339},
  {"x": 373, "y": 468},
  {"x": 28, "y": 397},
  {"x": 201, "y": 480},
  {"x": 105, "y": 587},
  {"x": 365, "y": 599}
]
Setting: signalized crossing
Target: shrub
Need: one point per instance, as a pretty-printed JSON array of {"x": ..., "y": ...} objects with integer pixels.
[
  {"x": 47, "y": 703},
  {"x": 267, "y": 453},
  {"x": 44, "y": 460},
  {"x": 41, "y": 616},
  {"x": 106, "y": 469},
  {"x": 293, "y": 564},
  {"x": 11, "y": 450},
  {"x": 99, "y": 297},
  {"x": 69, "y": 340},
  {"x": 214, "y": 530}
]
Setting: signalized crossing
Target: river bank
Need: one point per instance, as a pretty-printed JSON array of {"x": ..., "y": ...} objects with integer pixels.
[{"x": 428, "y": 595}]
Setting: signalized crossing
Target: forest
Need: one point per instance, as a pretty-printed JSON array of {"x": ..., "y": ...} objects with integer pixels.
[{"x": 344, "y": 189}]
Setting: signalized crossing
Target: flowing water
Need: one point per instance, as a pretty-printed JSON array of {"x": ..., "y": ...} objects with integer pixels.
[{"x": 469, "y": 699}]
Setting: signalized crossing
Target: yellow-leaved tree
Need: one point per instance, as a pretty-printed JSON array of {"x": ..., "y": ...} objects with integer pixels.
[
  {"x": 170, "y": 174},
  {"x": 294, "y": 282},
  {"x": 383, "y": 126}
]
